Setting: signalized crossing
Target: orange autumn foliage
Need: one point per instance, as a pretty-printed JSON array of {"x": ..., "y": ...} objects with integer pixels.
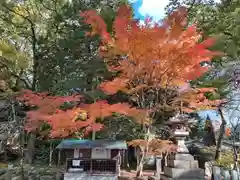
[
  {"x": 154, "y": 146},
  {"x": 228, "y": 132},
  {"x": 65, "y": 123},
  {"x": 196, "y": 100},
  {"x": 48, "y": 103},
  {"x": 45, "y": 104},
  {"x": 103, "y": 109},
  {"x": 163, "y": 55}
]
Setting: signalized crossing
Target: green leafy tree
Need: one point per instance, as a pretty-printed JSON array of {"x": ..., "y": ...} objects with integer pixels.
[
  {"x": 13, "y": 64},
  {"x": 52, "y": 35}
]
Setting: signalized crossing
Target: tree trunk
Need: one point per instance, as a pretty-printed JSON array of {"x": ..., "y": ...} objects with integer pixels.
[
  {"x": 221, "y": 135},
  {"x": 30, "y": 149},
  {"x": 140, "y": 167},
  {"x": 93, "y": 135},
  {"x": 165, "y": 159},
  {"x": 21, "y": 163},
  {"x": 235, "y": 158},
  {"x": 235, "y": 153},
  {"x": 35, "y": 56},
  {"x": 50, "y": 154}
]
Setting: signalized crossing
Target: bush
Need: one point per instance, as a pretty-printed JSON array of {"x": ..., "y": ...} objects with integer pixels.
[
  {"x": 42, "y": 153},
  {"x": 226, "y": 160}
]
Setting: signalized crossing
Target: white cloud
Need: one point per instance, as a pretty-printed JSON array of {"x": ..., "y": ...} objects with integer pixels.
[{"x": 153, "y": 8}]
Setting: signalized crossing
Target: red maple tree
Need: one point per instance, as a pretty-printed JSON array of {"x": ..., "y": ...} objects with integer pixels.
[
  {"x": 153, "y": 57},
  {"x": 162, "y": 55},
  {"x": 44, "y": 105},
  {"x": 65, "y": 123},
  {"x": 154, "y": 146}
]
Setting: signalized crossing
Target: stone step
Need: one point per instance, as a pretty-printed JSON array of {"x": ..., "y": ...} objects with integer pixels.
[
  {"x": 183, "y": 173},
  {"x": 84, "y": 176},
  {"x": 183, "y": 164},
  {"x": 181, "y": 156},
  {"x": 164, "y": 177}
]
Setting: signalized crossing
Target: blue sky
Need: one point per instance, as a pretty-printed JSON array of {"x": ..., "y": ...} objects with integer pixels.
[{"x": 155, "y": 9}]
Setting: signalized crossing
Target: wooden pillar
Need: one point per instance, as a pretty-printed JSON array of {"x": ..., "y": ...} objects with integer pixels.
[
  {"x": 127, "y": 159},
  {"x": 123, "y": 158},
  {"x": 158, "y": 166},
  {"x": 118, "y": 168},
  {"x": 90, "y": 166},
  {"x": 59, "y": 157},
  {"x": 118, "y": 164},
  {"x": 166, "y": 157},
  {"x": 50, "y": 153}
]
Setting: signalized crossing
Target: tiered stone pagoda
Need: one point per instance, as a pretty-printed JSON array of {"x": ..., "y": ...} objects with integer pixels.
[{"x": 181, "y": 165}]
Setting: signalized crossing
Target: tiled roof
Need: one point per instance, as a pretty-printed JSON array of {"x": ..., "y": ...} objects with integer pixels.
[{"x": 89, "y": 144}]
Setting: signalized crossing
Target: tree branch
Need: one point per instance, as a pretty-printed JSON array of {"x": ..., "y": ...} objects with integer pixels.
[
  {"x": 34, "y": 44},
  {"x": 3, "y": 65}
]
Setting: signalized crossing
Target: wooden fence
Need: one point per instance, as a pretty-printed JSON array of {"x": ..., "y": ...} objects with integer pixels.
[{"x": 220, "y": 173}]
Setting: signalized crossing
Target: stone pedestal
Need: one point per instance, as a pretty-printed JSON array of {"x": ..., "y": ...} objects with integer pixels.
[{"x": 182, "y": 167}]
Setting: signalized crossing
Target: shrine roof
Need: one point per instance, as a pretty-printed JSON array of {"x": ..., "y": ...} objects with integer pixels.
[{"x": 90, "y": 144}]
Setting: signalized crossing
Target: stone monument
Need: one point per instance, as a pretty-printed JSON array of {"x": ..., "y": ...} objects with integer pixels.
[{"x": 181, "y": 165}]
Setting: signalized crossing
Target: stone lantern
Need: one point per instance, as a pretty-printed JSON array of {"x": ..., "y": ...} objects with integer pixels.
[
  {"x": 181, "y": 165},
  {"x": 179, "y": 130}
]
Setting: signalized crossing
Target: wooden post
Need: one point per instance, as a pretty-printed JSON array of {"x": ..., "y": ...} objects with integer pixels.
[
  {"x": 59, "y": 157},
  {"x": 67, "y": 163},
  {"x": 50, "y": 154},
  {"x": 90, "y": 166},
  {"x": 93, "y": 135},
  {"x": 123, "y": 158},
  {"x": 127, "y": 159},
  {"x": 117, "y": 168},
  {"x": 158, "y": 166},
  {"x": 118, "y": 163}
]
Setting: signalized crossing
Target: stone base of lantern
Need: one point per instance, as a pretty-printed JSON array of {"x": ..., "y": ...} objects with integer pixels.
[{"x": 182, "y": 166}]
